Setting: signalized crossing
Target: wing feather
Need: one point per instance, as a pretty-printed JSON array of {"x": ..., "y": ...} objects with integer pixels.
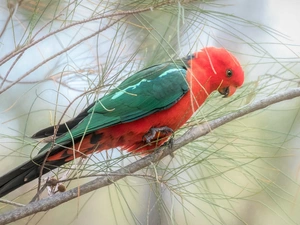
[{"x": 148, "y": 91}]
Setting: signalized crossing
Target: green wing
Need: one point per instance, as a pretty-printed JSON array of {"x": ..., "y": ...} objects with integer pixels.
[{"x": 146, "y": 92}]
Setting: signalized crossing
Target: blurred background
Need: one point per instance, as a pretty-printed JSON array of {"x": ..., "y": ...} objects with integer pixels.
[{"x": 58, "y": 56}]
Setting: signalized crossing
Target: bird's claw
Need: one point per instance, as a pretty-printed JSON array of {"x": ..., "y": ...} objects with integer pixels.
[
  {"x": 170, "y": 142},
  {"x": 149, "y": 137}
]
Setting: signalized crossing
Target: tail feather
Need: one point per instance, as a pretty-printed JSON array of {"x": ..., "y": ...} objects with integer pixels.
[
  {"x": 64, "y": 127},
  {"x": 30, "y": 170},
  {"x": 26, "y": 172}
]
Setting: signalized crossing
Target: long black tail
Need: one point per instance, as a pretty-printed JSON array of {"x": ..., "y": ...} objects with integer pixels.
[
  {"x": 30, "y": 170},
  {"x": 26, "y": 172}
]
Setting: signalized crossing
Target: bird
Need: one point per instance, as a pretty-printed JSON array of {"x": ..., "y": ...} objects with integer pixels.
[{"x": 139, "y": 115}]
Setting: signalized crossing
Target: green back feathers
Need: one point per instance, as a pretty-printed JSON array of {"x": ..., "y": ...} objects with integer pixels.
[{"x": 145, "y": 92}]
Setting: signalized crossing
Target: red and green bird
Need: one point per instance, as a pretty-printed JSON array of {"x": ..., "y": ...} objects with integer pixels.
[{"x": 139, "y": 115}]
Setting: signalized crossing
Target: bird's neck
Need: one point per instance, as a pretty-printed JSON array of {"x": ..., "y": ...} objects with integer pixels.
[{"x": 199, "y": 77}]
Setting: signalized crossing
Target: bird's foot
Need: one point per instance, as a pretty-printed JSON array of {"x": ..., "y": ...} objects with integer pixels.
[{"x": 152, "y": 133}]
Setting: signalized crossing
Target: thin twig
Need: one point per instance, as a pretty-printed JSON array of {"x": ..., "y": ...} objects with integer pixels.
[
  {"x": 101, "y": 175},
  {"x": 121, "y": 13},
  {"x": 11, "y": 203},
  {"x": 59, "y": 53},
  {"x": 12, "y": 9},
  {"x": 9, "y": 70}
]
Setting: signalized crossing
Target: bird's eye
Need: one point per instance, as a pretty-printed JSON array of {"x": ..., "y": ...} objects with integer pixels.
[
  {"x": 190, "y": 56},
  {"x": 229, "y": 73}
]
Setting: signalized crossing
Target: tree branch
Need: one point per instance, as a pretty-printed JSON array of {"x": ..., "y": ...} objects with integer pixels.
[{"x": 190, "y": 135}]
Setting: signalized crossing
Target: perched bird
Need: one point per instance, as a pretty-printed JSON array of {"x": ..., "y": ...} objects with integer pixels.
[{"x": 139, "y": 115}]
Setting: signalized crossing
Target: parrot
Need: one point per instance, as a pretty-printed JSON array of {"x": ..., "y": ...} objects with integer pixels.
[{"x": 139, "y": 115}]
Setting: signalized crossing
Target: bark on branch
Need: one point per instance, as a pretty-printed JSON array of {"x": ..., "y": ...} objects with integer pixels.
[{"x": 190, "y": 135}]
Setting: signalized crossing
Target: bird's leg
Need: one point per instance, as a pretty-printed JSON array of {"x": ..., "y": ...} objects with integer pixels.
[{"x": 154, "y": 130}]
